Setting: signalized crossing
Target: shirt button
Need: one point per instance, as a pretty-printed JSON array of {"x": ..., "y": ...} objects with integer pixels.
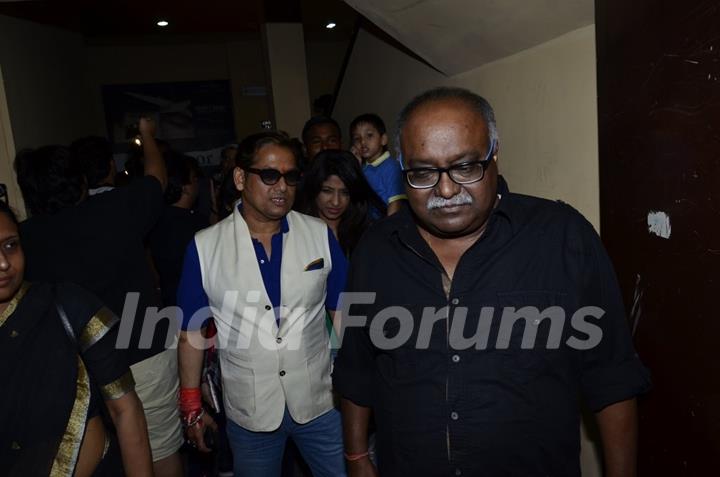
[
  {"x": 268, "y": 307},
  {"x": 456, "y": 358},
  {"x": 282, "y": 373},
  {"x": 458, "y": 472},
  {"x": 455, "y": 301},
  {"x": 454, "y": 416},
  {"x": 278, "y": 340}
]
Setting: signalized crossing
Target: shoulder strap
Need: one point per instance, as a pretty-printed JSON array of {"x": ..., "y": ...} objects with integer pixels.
[{"x": 64, "y": 319}]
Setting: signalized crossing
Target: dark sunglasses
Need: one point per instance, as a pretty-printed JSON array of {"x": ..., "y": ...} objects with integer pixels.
[{"x": 272, "y": 176}]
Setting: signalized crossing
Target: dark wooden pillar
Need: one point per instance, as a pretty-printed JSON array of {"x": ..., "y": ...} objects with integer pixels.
[{"x": 659, "y": 119}]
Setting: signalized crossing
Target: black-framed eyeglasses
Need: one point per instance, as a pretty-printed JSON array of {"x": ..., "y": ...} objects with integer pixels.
[
  {"x": 272, "y": 176},
  {"x": 463, "y": 173}
]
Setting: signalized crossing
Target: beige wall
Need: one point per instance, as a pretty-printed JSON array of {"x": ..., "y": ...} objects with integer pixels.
[
  {"x": 544, "y": 99},
  {"x": 324, "y": 60},
  {"x": 285, "y": 49},
  {"x": 380, "y": 79},
  {"x": 545, "y": 103},
  {"x": 7, "y": 154},
  {"x": 44, "y": 83}
]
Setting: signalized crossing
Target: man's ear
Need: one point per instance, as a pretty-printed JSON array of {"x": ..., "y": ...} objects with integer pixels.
[
  {"x": 496, "y": 151},
  {"x": 384, "y": 139},
  {"x": 239, "y": 178}
]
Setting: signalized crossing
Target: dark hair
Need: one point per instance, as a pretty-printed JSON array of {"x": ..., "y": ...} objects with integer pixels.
[
  {"x": 180, "y": 169},
  {"x": 95, "y": 155},
  {"x": 250, "y": 146},
  {"x": 372, "y": 119},
  {"x": 356, "y": 218},
  {"x": 50, "y": 179},
  {"x": 226, "y": 149},
  {"x": 475, "y": 102},
  {"x": 7, "y": 210},
  {"x": 317, "y": 120},
  {"x": 227, "y": 195}
]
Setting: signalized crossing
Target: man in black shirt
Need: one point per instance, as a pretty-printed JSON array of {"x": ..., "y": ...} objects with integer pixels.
[
  {"x": 492, "y": 314},
  {"x": 177, "y": 224},
  {"x": 98, "y": 243}
]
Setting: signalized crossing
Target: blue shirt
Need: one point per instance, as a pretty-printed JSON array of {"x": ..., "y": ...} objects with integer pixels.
[
  {"x": 192, "y": 297},
  {"x": 385, "y": 177}
]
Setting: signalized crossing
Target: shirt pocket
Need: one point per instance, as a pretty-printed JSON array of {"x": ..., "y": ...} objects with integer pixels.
[
  {"x": 531, "y": 331},
  {"x": 313, "y": 284},
  {"x": 409, "y": 349}
]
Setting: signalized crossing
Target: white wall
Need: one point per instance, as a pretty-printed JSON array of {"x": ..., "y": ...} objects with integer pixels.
[
  {"x": 44, "y": 82},
  {"x": 544, "y": 99}
]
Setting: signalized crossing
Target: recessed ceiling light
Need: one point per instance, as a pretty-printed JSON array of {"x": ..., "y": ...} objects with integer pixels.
[
  {"x": 162, "y": 23},
  {"x": 330, "y": 26}
]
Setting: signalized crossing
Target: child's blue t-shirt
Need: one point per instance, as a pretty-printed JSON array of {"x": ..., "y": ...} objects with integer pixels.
[{"x": 385, "y": 177}]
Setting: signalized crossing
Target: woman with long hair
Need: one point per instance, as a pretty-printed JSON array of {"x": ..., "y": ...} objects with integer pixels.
[{"x": 335, "y": 189}]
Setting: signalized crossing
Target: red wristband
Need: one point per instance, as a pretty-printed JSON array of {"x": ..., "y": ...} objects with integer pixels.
[{"x": 190, "y": 400}]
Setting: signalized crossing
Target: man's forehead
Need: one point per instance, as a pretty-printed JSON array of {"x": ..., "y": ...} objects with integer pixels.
[
  {"x": 324, "y": 129},
  {"x": 273, "y": 155},
  {"x": 448, "y": 110}
]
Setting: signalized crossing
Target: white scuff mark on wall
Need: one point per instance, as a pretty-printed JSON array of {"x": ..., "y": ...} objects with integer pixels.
[{"x": 659, "y": 224}]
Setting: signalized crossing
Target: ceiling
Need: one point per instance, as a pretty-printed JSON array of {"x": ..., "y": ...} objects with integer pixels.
[
  {"x": 98, "y": 18},
  {"x": 458, "y": 35},
  {"x": 453, "y": 36}
]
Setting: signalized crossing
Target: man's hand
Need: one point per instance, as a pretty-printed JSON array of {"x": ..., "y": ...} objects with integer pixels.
[
  {"x": 147, "y": 127},
  {"x": 196, "y": 433},
  {"x": 361, "y": 468}
]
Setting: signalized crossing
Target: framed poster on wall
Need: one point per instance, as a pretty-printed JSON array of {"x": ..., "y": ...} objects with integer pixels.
[{"x": 194, "y": 117}]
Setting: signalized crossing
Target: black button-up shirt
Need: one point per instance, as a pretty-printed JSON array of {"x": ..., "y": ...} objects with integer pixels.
[{"x": 469, "y": 400}]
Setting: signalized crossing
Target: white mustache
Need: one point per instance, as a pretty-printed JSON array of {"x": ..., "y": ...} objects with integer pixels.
[{"x": 463, "y": 198}]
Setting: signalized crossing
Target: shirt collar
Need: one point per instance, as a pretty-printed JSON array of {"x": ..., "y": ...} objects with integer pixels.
[
  {"x": 284, "y": 226},
  {"x": 380, "y": 159}
]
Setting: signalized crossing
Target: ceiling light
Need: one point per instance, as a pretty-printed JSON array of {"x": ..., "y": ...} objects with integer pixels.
[
  {"x": 330, "y": 26},
  {"x": 163, "y": 23}
]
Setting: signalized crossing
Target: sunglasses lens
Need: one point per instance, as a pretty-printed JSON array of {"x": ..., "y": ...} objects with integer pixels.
[
  {"x": 292, "y": 177},
  {"x": 270, "y": 176}
]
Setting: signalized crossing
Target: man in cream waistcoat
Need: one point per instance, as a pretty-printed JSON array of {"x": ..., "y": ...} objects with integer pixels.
[{"x": 267, "y": 276}]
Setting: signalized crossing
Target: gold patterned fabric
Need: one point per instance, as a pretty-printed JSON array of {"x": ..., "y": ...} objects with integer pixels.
[
  {"x": 14, "y": 303},
  {"x": 66, "y": 458},
  {"x": 42, "y": 436},
  {"x": 97, "y": 327},
  {"x": 119, "y": 387}
]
